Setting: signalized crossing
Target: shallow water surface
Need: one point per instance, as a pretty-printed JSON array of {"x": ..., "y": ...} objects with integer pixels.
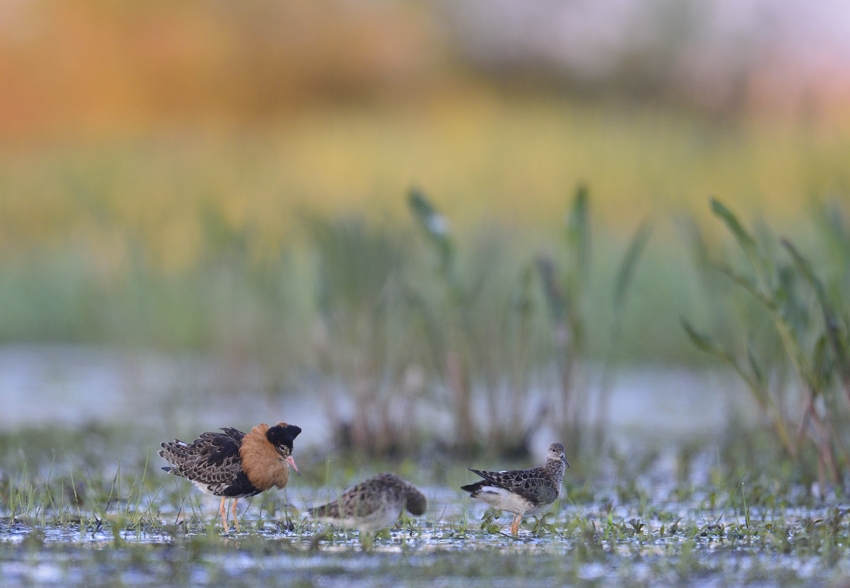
[
  {"x": 78, "y": 386},
  {"x": 456, "y": 543}
]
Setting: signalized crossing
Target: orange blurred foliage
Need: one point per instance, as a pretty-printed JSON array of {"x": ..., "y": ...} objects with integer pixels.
[{"x": 97, "y": 66}]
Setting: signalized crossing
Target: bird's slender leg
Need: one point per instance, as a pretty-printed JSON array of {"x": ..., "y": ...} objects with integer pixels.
[
  {"x": 223, "y": 512},
  {"x": 235, "y": 518},
  {"x": 515, "y": 524},
  {"x": 287, "y": 522}
]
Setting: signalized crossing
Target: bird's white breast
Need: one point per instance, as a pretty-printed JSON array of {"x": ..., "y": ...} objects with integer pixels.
[{"x": 505, "y": 500}]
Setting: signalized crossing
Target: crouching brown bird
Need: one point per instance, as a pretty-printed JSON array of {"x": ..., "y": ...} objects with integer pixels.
[
  {"x": 522, "y": 492},
  {"x": 234, "y": 464},
  {"x": 373, "y": 504}
]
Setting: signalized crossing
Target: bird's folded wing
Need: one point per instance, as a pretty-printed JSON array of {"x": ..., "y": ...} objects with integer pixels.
[{"x": 212, "y": 459}]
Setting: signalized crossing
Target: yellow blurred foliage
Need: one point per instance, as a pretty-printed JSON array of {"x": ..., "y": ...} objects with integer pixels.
[
  {"x": 138, "y": 115},
  {"x": 479, "y": 157}
]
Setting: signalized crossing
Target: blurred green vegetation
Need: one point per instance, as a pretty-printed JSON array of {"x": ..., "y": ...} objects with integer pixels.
[
  {"x": 297, "y": 247},
  {"x": 208, "y": 243},
  {"x": 796, "y": 360}
]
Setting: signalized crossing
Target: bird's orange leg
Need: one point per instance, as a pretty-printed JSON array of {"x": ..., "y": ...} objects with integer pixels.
[
  {"x": 515, "y": 524},
  {"x": 223, "y": 512},
  {"x": 235, "y": 517}
]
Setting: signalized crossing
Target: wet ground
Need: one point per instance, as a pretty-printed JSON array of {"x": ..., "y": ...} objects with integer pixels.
[
  {"x": 577, "y": 546},
  {"x": 90, "y": 507}
]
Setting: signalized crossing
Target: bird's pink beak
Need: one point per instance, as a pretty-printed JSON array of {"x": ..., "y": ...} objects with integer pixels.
[{"x": 291, "y": 461}]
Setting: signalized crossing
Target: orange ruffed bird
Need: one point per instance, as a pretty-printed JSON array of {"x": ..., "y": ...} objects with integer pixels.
[{"x": 233, "y": 464}]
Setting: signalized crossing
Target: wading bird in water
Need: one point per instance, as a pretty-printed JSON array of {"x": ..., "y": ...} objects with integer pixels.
[
  {"x": 234, "y": 464},
  {"x": 373, "y": 504},
  {"x": 522, "y": 492}
]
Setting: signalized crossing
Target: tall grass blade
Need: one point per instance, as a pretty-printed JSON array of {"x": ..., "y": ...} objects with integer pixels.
[
  {"x": 754, "y": 382},
  {"x": 747, "y": 284},
  {"x": 630, "y": 259},
  {"x": 436, "y": 227},
  {"x": 745, "y": 240},
  {"x": 578, "y": 232},
  {"x": 705, "y": 343},
  {"x": 831, "y": 321},
  {"x": 758, "y": 372},
  {"x": 552, "y": 291},
  {"x": 789, "y": 339}
]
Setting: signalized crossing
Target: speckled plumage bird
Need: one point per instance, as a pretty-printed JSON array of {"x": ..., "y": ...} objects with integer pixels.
[
  {"x": 373, "y": 504},
  {"x": 522, "y": 492},
  {"x": 234, "y": 464}
]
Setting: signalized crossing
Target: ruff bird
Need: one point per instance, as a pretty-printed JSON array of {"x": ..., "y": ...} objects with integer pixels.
[
  {"x": 522, "y": 492},
  {"x": 233, "y": 464},
  {"x": 373, "y": 504}
]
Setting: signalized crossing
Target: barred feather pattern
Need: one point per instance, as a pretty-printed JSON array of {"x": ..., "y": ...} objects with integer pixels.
[
  {"x": 525, "y": 490},
  {"x": 212, "y": 462},
  {"x": 373, "y": 504}
]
